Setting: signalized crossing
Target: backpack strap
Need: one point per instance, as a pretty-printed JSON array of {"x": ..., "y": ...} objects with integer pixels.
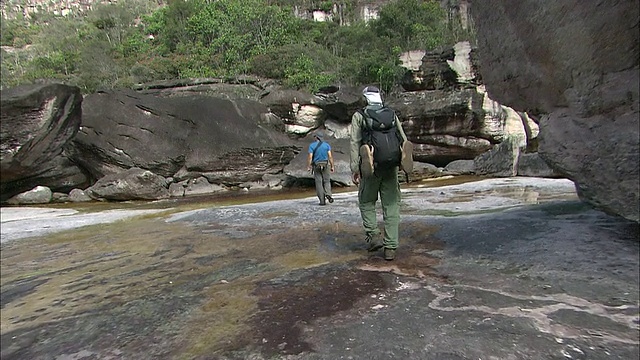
[
  {"x": 368, "y": 127},
  {"x": 314, "y": 151},
  {"x": 368, "y": 122}
]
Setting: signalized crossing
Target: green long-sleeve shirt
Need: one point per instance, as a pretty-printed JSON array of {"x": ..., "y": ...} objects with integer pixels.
[{"x": 357, "y": 126}]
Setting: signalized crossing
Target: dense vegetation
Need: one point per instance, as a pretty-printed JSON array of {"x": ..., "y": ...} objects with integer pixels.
[{"x": 118, "y": 45}]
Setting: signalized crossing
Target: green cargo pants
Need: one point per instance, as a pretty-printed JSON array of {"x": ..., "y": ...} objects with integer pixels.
[{"x": 387, "y": 185}]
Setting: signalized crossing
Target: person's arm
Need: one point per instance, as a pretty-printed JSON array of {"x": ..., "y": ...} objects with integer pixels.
[
  {"x": 355, "y": 142},
  {"x": 400, "y": 129},
  {"x": 309, "y": 160},
  {"x": 330, "y": 155}
]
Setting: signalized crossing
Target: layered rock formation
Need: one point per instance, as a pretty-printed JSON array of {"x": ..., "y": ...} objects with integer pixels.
[
  {"x": 575, "y": 64},
  {"x": 447, "y": 113}
]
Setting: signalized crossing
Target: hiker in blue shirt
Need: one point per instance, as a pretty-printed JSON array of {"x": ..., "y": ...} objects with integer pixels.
[{"x": 320, "y": 161}]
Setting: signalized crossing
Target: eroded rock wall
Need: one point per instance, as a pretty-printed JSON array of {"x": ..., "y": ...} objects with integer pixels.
[{"x": 573, "y": 63}]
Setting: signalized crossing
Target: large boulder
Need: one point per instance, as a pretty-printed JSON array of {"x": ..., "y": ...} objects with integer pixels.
[
  {"x": 38, "y": 123},
  {"x": 501, "y": 161},
  {"x": 340, "y": 102},
  {"x": 574, "y": 63},
  {"x": 124, "y": 129},
  {"x": 533, "y": 165},
  {"x": 132, "y": 184},
  {"x": 434, "y": 73},
  {"x": 37, "y": 195},
  {"x": 246, "y": 165}
]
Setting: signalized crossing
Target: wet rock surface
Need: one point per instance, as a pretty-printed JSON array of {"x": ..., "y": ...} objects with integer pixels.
[{"x": 513, "y": 268}]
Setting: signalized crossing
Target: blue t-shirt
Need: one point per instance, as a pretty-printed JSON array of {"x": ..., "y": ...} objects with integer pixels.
[{"x": 322, "y": 153}]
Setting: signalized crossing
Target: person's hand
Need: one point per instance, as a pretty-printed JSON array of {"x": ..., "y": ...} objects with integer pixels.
[
  {"x": 308, "y": 168},
  {"x": 356, "y": 178},
  {"x": 333, "y": 169}
]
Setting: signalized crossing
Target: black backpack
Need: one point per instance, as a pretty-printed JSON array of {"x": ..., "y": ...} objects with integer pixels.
[{"x": 380, "y": 131}]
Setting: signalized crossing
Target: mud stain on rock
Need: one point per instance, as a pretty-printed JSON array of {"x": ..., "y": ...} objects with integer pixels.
[
  {"x": 286, "y": 306},
  {"x": 129, "y": 278}
]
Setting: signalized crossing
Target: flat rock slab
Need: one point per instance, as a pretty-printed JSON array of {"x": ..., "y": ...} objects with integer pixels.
[
  {"x": 23, "y": 222},
  {"x": 513, "y": 268}
]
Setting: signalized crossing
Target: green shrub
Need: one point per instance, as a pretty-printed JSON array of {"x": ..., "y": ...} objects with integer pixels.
[
  {"x": 412, "y": 24},
  {"x": 274, "y": 63},
  {"x": 306, "y": 74}
]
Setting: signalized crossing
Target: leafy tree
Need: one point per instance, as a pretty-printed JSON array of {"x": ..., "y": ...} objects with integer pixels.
[
  {"x": 112, "y": 20},
  {"x": 13, "y": 67},
  {"x": 58, "y": 48},
  {"x": 97, "y": 69},
  {"x": 237, "y": 31},
  {"x": 346, "y": 41},
  {"x": 304, "y": 73},
  {"x": 363, "y": 56},
  {"x": 276, "y": 62},
  {"x": 134, "y": 46},
  {"x": 412, "y": 24},
  {"x": 319, "y": 32},
  {"x": 170, "y": 24}
]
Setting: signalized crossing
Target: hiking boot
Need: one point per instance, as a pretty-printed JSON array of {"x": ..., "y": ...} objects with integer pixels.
[
  {"x": 406, "y": 163},
  {"x": 330, "y": 199},
  {"x": 366, "y": 166},
  {"x": 389, "y": 254},
  {"x": 372, "y": 243}
]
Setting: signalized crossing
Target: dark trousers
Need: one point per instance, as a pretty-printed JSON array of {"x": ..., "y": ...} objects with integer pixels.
[{"x": 322, "y": 176}]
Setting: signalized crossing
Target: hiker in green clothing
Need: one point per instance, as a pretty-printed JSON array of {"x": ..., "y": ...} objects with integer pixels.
[{"x": 379, "y": 148}]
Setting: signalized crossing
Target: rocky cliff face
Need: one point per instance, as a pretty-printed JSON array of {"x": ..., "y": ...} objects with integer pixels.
[
  {"x": 342, "y": 12},
  {"x": 575, "y": 64},
  {"x": 12, "y": 9}
]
